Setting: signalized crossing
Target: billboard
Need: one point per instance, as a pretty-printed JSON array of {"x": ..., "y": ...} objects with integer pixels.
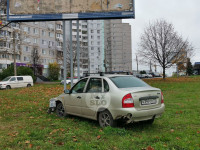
[{"x": 39, "y": 10}]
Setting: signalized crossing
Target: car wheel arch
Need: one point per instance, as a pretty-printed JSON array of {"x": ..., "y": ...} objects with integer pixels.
[{"x": 100, "y": 110}]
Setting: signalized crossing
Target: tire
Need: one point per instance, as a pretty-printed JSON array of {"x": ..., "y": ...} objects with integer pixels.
[
  {"x": 60, "y": 111},
  {"x": 8, "y": 87},
  {"x": 28, "y": 85},
  {"x": 105, "y": 119}
]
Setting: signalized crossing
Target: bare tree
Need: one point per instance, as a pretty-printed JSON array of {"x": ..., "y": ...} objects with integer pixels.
[
  {"x": 83, "y": 54},
  {"x": 35, "y": 58},
  {"x": 161, "y": 44}
]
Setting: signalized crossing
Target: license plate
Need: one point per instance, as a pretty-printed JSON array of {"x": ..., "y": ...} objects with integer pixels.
[
  {"x": 148, "y": 102},
  {"x": 52, "y": 104}
]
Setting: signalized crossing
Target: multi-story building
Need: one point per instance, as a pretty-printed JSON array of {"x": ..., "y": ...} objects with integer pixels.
[{"x": 118, "y": 50}]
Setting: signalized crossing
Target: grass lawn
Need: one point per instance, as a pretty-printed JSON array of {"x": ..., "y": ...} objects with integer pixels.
[{"x": 24, "y": 123}]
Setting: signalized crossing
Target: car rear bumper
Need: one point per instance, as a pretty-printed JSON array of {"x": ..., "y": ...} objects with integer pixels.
[{"x": 134, "y": 115}]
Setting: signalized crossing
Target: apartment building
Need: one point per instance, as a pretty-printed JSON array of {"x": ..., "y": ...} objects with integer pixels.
[{"x": 118, "y": 49}]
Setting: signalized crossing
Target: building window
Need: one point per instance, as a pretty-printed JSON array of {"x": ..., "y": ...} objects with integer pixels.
[
  {"x": 35, "y": 40},
  {"x": 92, "y": 48},
  {"x": 51, "y": 34},
  {"x": 44, "y": 42},
  {"x": 43, "y": 33},
  {"x": 98, "y": 31},
  {"x": 92, "y": 31},
  {"x": 26, "y": 48},
  {"x": 43, "y": 52},
  {"x": 35, "y": 30}
]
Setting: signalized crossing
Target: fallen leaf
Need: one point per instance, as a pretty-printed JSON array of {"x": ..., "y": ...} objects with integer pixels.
[
  {"x": 61, "y": 143},
  {"x": 75, "y": 140},
  {"x": 27, "y": 142},
  {"x": 30, "y": 145},
  {"x": 149, "y": 148},
  {"x": 198, "y": 132},
  {"x": 31, "y": 117},
  {"x": 178, "y": 138},
  {"x": 172, "y": 130},
  {"x": 98, "y": 137}
]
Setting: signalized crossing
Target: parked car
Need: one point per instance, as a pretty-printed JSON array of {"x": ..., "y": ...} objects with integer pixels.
[
  {"x": 109, "y": 98},
  {"x": 16, "y": 82},
  {"x": 68, "y": 81}
]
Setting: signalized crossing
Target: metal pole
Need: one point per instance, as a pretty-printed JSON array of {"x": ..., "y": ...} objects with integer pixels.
[
  {"x": 15, "y": 67},
  {"x": 78, "y": 51},
  {"x": 64, "y": 53},
  {"x": 71, "y": 54}
]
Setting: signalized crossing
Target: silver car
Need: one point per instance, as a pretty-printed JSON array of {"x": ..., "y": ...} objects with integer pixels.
[{"x": 109, "y": 98}]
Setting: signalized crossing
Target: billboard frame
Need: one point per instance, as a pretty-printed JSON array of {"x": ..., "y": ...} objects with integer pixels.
[{"x": 71, "y": 16}]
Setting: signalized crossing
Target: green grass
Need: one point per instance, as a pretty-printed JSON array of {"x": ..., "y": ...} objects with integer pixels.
[{"x": 24, "y": 123}]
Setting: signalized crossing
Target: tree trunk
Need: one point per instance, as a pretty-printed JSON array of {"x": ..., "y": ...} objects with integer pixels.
[{"x": 163, "y": 72}]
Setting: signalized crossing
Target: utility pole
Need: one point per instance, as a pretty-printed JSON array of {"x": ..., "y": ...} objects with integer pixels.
[{"x": 15, "y": 67}]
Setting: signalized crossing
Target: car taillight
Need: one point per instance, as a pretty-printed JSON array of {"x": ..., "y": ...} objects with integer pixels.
[
  {"x": 127, "y": 101},
  {"x": 162, "y": 98}
]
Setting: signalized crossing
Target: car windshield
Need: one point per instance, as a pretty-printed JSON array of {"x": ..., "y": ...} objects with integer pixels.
[
  {"x": 6, "y": 79},
  {"x": 127, "y": 82}
]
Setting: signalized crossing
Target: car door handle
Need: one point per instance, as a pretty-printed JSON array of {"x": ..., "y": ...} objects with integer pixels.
[
  {"x": 79, "y": 97},
  {"x": 97, "y": 97}
]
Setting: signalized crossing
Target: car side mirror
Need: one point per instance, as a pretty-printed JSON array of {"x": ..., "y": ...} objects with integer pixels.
[{"x": 67, "y": 91}]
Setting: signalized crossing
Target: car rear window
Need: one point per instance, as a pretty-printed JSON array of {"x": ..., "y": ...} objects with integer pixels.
[{"x": 128, "y": 82}]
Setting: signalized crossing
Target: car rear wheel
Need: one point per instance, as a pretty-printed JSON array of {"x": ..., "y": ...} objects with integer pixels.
[
  {"x": 8, "y": 87},
  {"x": 28, "y": 85},
  {"x": 60, "y": 111},
  {"x": 105, "y": 119}
]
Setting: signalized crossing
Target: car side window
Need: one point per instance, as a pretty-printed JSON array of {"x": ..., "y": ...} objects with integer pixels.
[
  {"x": 94, "y": 86},
  {"x": 13, "y": 79},
  {"x": 106, "y": 86},
  {"x": 79, "y": 87},
  {"x": 20, "y": 78}
]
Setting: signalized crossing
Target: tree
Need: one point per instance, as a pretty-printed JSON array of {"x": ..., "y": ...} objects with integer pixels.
[
  {"x": 161, "y": 44},
  {"x": 35, "y": 60},
  {"x": 189, "y": 69},
  {"x": 54, "y": 71}
]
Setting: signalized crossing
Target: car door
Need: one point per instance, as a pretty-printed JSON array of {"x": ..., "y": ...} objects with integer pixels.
[
  {"x": 13, "y": 82},
  {"x": 93, "y": 98},
  {"x": 20, "y": 82},
  {"x": 73, "y": 101}
]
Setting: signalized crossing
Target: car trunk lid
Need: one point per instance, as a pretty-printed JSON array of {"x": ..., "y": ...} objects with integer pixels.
[{"x": 145, "y": 97}]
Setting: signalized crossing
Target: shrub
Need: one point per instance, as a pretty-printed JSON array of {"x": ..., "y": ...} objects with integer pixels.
[{"x": 53, "y": 71}]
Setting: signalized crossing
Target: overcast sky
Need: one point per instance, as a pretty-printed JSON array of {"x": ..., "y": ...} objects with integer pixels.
[{"x": 183, "y": 14}]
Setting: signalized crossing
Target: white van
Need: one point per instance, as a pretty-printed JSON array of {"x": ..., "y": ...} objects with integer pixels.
[{"x": 16, "y": 82}]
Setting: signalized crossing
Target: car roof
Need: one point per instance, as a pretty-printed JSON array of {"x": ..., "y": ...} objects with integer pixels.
[{"x": 109, "y": 76}]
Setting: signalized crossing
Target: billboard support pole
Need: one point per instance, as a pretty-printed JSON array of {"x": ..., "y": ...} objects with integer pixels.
[
  {"x": 78, "y": 51},
  {"x": 71, "y": 54},
  {"x": 64, "y": 53}
]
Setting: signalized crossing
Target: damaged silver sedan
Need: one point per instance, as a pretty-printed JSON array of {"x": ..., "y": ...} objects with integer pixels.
[{"x": 108, "y": 98}]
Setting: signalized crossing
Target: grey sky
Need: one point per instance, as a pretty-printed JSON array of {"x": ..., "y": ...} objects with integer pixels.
[{"x": 183, "y": 14}]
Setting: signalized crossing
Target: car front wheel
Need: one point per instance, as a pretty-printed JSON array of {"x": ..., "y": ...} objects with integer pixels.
[
  {"x": 105, "y": 119},
  {"x": 60, "y": 111},
  {"x": 8, "y": 87}
]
